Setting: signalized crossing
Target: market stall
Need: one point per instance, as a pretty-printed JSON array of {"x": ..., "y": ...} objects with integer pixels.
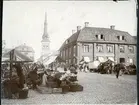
[{"x": 16, "y": 78}]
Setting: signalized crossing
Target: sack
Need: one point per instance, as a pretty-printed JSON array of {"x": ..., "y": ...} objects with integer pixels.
[
  {"x": 23, "y": 94},
  {"x": 57, "y": 90},
  {"x": 50, "y": 78},
  {"x": 65, "y": 88},
  {"x": 75, "y": 87}
]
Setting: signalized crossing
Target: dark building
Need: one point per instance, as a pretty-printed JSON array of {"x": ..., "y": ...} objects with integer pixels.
[{"x": 99, "y": 44}]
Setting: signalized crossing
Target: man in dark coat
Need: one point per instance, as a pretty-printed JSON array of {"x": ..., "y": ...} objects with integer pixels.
[
  {"x": 33, "y": 77},
  {"x": 117, "y": 68},
  {"x": 20, "y": 74}
]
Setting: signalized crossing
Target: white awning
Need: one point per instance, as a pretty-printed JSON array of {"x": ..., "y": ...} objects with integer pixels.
[
  {"x": 51, "y": 59},
  {"x": 86, "y": 59},
  {"x": 111, "y": 58},
  {"x": 94, "y": 64},
  {"x": 101, "y": 59}
]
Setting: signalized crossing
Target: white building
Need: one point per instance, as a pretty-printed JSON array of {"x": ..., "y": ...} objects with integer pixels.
[{"x": 26, "y": 50}]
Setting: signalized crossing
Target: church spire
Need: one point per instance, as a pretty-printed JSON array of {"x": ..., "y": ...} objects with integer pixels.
[{"x": 45, "y": 36}]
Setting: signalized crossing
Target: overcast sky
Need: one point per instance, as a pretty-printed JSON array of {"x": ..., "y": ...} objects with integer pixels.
[{"x": 23, "y": 21}]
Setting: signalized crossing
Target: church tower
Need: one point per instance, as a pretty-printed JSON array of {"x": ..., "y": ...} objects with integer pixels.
[{"x": 45, "y": 39}]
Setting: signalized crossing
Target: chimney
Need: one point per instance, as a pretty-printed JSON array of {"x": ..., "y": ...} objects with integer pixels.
[
  {"x": 78, "y": 28},
  {"x": 73, "y": 31},
  {"x": 112, "y": 27},
  {"x": 86, "y": 24}
]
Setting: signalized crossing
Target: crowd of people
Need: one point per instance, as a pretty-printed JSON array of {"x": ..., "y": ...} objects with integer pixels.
[{"x": 26, "y": 75}]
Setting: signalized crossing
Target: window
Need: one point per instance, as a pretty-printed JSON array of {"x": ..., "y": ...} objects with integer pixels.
[
  {"x": 61, "y": 53},
  {"x": 110, "y": 48},
  {"x": 66, "y": 52},
  {"x": 122, "y": 49},
  {"x": 123, "y": 38},
  {"x": 69, "y": 50},
  {"x": 86, "y": 48},
  {"x": 101, "y": 37},
  {"x": 99, "y": 48},
  {"x": 131, "y": 49},
  {"x": 74, "y": 50},
  {"x": 96, "y": 36},
  {"x": 118, "y": 37}
]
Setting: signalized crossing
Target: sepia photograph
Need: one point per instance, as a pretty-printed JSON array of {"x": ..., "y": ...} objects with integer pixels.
[{"x": 69, "y": 52}]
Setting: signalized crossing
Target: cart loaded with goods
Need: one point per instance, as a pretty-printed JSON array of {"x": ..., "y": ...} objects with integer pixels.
[{"x": 57, "y": 82}]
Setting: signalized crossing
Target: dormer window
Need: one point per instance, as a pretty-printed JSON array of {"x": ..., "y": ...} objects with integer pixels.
[
  {"x": 121, "y": 37},
  {"x": 101, "y": 37},
  {"x": 67, "y": 41},
  {"x": 118, "y": 37},
  {"x": 96, "y": 36}
]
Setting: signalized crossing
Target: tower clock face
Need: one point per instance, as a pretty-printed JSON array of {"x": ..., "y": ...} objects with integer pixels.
[{"x": 45, "y": 46}]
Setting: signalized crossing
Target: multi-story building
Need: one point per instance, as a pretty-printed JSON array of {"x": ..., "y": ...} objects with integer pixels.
[{"x": 99, "y": 44}]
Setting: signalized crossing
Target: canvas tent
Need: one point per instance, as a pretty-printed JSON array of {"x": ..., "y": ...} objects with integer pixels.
[
  {"x": 14, "y": 56},
  {"x": 17, "y": 56}
]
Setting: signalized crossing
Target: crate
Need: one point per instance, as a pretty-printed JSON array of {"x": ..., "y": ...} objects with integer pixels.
[
  {"x": 44, "y": 90},
  {"x": 76, "y": 87},
  {"x": 57, "y": 90},
  {"x": 52, "y": 84},
  {"x": 65, "y": 88}
]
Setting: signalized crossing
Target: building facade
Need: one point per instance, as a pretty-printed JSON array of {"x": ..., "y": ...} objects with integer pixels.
[{"x": 99, "y": 44}]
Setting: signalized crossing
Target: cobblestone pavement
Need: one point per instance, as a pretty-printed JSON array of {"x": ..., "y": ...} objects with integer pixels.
[{"x": 98, "y": 89}]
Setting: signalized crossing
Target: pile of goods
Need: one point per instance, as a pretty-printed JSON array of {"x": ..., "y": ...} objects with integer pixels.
[
  {"x": 105, "y": 67},
  {"x": 57, "y": 82}
]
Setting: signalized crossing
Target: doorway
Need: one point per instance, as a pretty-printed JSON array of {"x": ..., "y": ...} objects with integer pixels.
[{"x": 122, "y": 60}]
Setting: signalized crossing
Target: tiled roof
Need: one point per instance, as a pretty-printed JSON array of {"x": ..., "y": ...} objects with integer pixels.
[
  {"x": 28, "y": 48},
  {"x": 88, "y": 34},
  {"x": 72, "y": 38},
  {"x": 135, "y": 37}
]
